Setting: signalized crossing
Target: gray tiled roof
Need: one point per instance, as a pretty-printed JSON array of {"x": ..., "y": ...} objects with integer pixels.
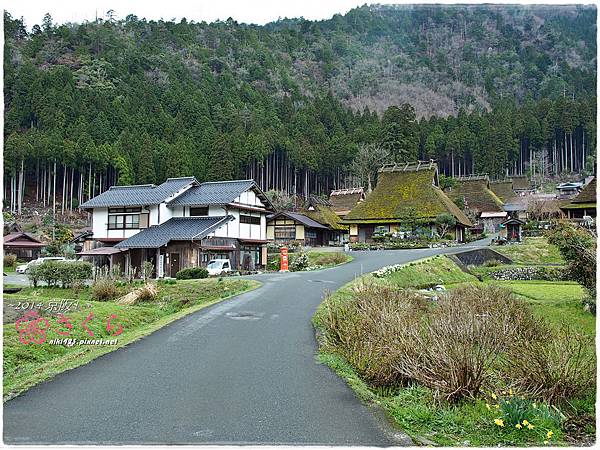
[
  {"x": 304, "y": 220},
  {"x": 213, "y": 193},
  {"x": 137, "y": 195},
  {"x": 174, "y": 229}
]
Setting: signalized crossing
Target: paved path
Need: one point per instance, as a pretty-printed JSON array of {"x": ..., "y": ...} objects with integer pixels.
[{"x": 242, "y": 371}]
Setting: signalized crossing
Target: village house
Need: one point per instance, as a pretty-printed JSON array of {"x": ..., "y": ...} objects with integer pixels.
[
  {"x": 25, "y": 246},
  {"x": 569, "y": 190},
  {"x": 287, "y": 227},
  {"x": 405, "y": 195},
  {"x": 180, "y": 223},
  {"x": 584, "y": 204},
  {"x": 343, "y": 200},
  {"x": 481, "y": 204}
]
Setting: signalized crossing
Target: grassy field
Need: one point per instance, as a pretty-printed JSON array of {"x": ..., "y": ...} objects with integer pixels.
[
  {"x": 470, "y": 423},
  {"x": 437, "y": 270},
  {"x": 533, "y": 250},
  {"x": 556, "y": 301},
  {"x": 28, "y": 364},
  {"x": 317, "y": 259}
]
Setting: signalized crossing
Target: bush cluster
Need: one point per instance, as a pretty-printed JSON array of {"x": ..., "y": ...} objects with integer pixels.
[
  {"x": 105, "y": 289},
  {"x": 466, "y": 342},
  {"x": 530, "y": 273},
  {"x": 64, "y": 272},
  {"x": 192, "y": 273},
  {"x": 300, "y": 262},
  {"x": 10, "y": 259}
]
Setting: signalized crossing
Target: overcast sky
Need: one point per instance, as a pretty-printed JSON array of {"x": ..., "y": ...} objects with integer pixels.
[{"x": 248, "y": 11}]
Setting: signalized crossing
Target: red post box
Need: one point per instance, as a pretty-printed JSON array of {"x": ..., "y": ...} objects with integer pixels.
[{"x": 283, "y": 259}]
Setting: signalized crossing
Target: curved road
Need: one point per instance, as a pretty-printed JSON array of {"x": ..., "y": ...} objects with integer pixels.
[{"x": 239, "y": 372}]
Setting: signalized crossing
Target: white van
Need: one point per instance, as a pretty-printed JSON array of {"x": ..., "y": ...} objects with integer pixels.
[
  {"x": 23, "y": 268},
  {"x": 218, "y": 266}
]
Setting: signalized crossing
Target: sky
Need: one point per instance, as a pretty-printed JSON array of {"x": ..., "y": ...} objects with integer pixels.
[{"x": 248, "y": 11}]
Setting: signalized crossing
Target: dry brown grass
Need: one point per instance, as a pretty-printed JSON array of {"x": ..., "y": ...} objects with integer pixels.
[
  {"x": 555, "y": 369},
  {"x": 470, "y": 340}
]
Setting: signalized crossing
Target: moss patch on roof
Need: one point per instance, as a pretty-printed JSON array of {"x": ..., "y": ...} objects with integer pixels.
[
  {"x": 478, "y": 197},
  {"x": 402, "y": 194},
  {"x": 587, "y": 194},
  {"x": 325, "y": 216},
  {"x": 503, "y": 189}
]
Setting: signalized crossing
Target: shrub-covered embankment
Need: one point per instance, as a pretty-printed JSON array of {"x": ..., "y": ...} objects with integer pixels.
[{"x": 475, "y": 365}]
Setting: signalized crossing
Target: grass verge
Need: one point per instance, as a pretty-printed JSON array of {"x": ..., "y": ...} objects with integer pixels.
[
  {"x": 533, "y": 250},
  {"x": 28, "y": 364}
]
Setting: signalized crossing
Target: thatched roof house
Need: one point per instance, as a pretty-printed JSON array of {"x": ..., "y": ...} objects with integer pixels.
[
  {"x": 503, "y": 189},
  {"x": 477, "y": 195},
  {"x": 584, "y": 204},
  {"x": 405, "y": 193},
  {"x": 320, "y": 210},
  {"x": 343, "y": 200},
  {"x": 521, "y": 183}
]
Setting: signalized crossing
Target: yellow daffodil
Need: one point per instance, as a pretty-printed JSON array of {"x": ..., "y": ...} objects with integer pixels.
[
  {"x": 534, "y": 405},
  {"x": 519, "y": 426},
  {"x": 549, "y": 434},
  {"x": 497, "y": 406},
  {"x": 545, "y": 442},
  {"x": 525, "y": 422},
  {"x": 530, "y": 427},
  {"x": 510, "y": 391},
  {"x": 487, "y": 405},
  {"x": 494, "y": 396},
  {"x": 499, "y": 422}
]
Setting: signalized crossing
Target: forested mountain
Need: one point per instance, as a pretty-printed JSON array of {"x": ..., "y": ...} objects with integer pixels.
[{"x": 301, "y": 106}]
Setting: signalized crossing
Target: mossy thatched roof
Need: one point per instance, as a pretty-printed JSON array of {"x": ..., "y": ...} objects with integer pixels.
[
  {"x": 321, "y": 211},
  {"x": 503, "y": 189},
  {"x": 343, "y": 200},
  {"x": 477, "y": 194},
  {"x": 400, "y": 195},
  {"x": 585, "y": 199},
  {"x": 521, "y": 183}
]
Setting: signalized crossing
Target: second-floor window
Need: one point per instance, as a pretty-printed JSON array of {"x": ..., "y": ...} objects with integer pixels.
[
  {"x": 199, "y": 211},
  {"x": 253, "y": 220},
  {"x": 124, "y": 218}
]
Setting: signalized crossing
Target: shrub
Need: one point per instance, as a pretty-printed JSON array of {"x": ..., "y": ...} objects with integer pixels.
[
  {"x": 147, "y": 270},
  {"x": 460, "y": 343},
  {"x": 65, "y": 272},
  {"x": 557, "y": 369},
  {"x": 9, "y": 259},
  {"x": 192, "y": 273},
  {"x": 332, "y": 258},
  {"x": 299, "y": 263},
  {"x": 363, "y": 331},
  {"x": 105, "y": 289}
]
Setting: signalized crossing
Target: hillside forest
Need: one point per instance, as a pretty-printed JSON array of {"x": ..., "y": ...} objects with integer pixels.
[{"x": 300, "y": 106}]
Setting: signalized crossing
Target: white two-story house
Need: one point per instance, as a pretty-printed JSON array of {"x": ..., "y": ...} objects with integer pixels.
[{"x": 180, "y": 223}]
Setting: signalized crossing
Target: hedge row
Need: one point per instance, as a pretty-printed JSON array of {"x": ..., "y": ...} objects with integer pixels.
[
  {"x": 530, "y": 273},
  {"x": 65, "y": 272},
  {"x": 192, "y": 273}
]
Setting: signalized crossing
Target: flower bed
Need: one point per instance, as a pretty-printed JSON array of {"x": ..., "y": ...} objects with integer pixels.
[{"x": 529, "y": 273}]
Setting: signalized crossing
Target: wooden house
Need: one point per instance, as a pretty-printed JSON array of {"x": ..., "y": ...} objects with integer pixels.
[
  {"x": 289, "y": 227},
  {"x": 24, "y": 245},
  {"x": 181, "y": 223},
  {"x": 406, "y": 196},
  {"x": 584, "y": 204}
]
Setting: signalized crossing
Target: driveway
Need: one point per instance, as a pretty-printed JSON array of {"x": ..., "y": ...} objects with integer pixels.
[
  {"x": 240, "y": 372},
  {"x": 15, "y": 279}
]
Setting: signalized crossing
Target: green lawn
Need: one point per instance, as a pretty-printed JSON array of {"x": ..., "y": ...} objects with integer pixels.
[
  {"x": 533, "y": 250},
  {"x": 28, "y": 364},
  {"x": 469, "y": 423},
  {"x": 428, "y": 272},
  {"x": 556, "y": 301}
]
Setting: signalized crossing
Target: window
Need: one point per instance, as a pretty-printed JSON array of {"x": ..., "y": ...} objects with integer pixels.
[
  {"x": 285, "y": 233},
  {"x": 201, "y": 211},
  {"x": 253, "y": 220},
  {"x": 123, "y": 221}
]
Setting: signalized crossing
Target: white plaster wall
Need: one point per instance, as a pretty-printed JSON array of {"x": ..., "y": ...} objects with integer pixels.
[{"x": 100, "y": 222}]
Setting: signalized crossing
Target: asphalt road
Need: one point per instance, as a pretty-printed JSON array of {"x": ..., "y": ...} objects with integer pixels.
[{"x": 239, "y": 372}]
